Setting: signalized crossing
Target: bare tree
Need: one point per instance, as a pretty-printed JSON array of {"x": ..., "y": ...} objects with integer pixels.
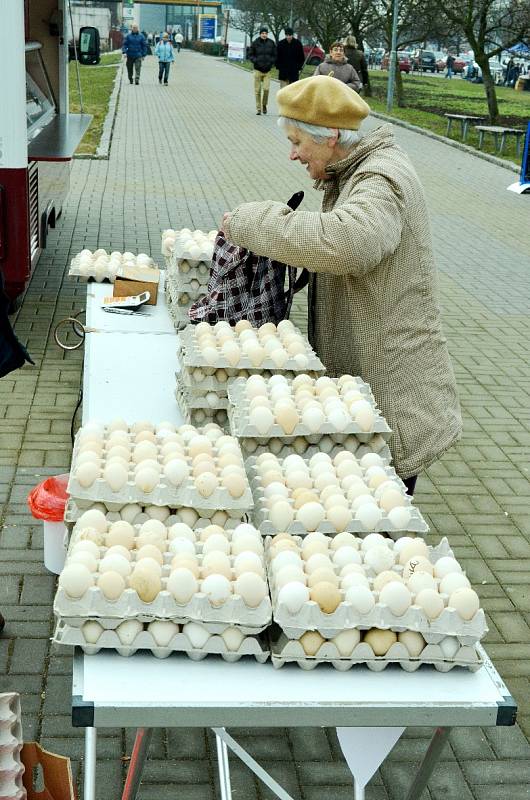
[
  {"x": 490, "y": 26},
  {"x": 325, "y": 20},
  {"x": 246, "y": 17},
  {"x": 276, "y": 13},
  {"x": 361, "y": 19}
]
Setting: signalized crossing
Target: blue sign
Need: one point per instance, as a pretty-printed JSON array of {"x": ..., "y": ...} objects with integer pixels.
[{"x": 207, "y": 28}]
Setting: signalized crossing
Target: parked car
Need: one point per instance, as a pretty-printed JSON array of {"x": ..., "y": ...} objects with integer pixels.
[
  {"x": 424, "y": 60},
  {"x": 313, "y": 54},
  {"x": 403, "y": 61}
]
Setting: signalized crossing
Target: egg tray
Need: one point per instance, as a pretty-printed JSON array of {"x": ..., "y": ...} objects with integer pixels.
[
  {"x": 162, "y": 495},
  {"x": 94, "y": 605},
  {"x": 284, "y": 651},
  {"x": 192, "y": 356},
  {"x": 260, "y": 515},
  {"x": 311, "y": 617},
  {"x": 11, "y": 766},
  {"x": 72, "y": 513},
  {"x": 177, "y": 293},
  {"x": 194, "y": 399},
  {"x": 181, "y": 253},
  {"x": 211, "y": 382},
  {"x": 240, "y": 423},
  {"x": 202, "y": 415},
  {"x": 251, "y": 448},
  {"x": 199, "y": 272}
]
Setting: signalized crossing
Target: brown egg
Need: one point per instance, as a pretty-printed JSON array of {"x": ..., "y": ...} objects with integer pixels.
[
  {"x": 327, "y": 596},
  {"x": 146, "y": 584},
  {"x": 311, "y": 641},
  {"x": 380, "y": 640}
]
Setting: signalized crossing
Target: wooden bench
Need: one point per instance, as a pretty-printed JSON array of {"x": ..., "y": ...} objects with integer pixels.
[
  {"x": 464, "y": 120},
  {"x": 499, "y": 134}
]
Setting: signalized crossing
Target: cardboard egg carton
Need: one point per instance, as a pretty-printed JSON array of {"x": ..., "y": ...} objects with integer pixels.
[
  {"x": 261, "y": 518},
  {"x": 73, "y": 512},
  {"x": 195, "y": 399},
  {"x": 192, "y": 356},
  {"x": 182, "y": 273},
  {"x": 241, "y": 426},
  {"x": 94, "y": 605},
  {"x": 11, "y": 766},
  {"x": 202, "y": 414},
  {"x": 182, "y": 253},
  {"x": 253, "y": 447},
  {"x": 68, "y": 636},
  {"x": 164, "y": 494},
  {"x": 284, "y": 651},
  {"x": 311, "y": 617}
]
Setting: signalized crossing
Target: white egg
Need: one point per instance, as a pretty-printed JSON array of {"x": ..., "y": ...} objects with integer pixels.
[
  {"x": 182, "y": 584},
  {"x": 181, "y": 531},
  {"x": 217, "y": 588},
  {"x": 233, "y": 638},
  {"x": 197, "y": 634},
  {"x": 176, "y": 471},
  {"x": 115, "y": 563},
  {"x": 248, "y": 561},
  {"x": 121, "y": 533},
  {"x": 445, "y": 566},
  {"x": 75, "y": 579},
  {"x": 84, "y": 557},
  {"x": 449, "y": 647},
  {"x": 146, "y": 479},
  {"x": 162, "y": 631},
  {"x": 339, "y": 515},
  {"x": 346, "y": 555},
  {"x": 86, "y": 474},
  {"x": 182, "y": 546},
  {"x": 379, "y": 558},
  {"x": 399, "y": 517},
  {"x": 293, "y": 596},
  {"x": 369, "y": 516},
  {"x": 311, "y": 516},
  {"x": 453, "y": 581},
  {"x": 128, "y": 631},
  {"x": 397, "y": 597},
  {"x": 91, "y": 631},
  {"x": 247, "y": 542},
  {"x": 347, "y": 641},
  {"x": 206, "y": 484},
  {"x": 353, "y": 579},
  {"x": 281, "y": 515},
  {"x": 217, "y": 541},
  {"x": 419, "y": 581},
  {"x": 360, "y": 598},
  {"x": 286, "y": 558}
]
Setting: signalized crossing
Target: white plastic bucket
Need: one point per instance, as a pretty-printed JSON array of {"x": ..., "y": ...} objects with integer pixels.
[{"x": 55, "y": 541}]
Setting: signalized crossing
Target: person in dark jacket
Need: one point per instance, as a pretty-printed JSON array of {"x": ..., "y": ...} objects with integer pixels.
[
  {"x": 289, "y": 58},
  {"x": 356, "y": 58},
  {"x": 135, "y": 48},
  {"x": 263, "y": 56}
]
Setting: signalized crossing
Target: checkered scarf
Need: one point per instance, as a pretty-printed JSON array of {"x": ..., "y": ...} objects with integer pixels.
[{"x": 243, "y": 285}]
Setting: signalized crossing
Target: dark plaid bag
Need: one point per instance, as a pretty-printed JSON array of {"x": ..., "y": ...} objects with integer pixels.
[{"x": 243, "y": 285}]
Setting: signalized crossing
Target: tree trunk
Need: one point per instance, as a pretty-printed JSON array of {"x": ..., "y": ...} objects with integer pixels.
[
  {"x": 400, "y": 94},
  {"x": 367, "y": 88},
  {"x": 489, "y": 88}
]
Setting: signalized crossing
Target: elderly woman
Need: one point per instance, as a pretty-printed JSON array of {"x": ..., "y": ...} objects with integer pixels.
[
  {"x": 373, "y": 308},
  {"x": 336, "y": 65}
]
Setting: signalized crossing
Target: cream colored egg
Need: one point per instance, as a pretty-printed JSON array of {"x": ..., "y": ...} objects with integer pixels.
[
  {"x": 162, "y": 631},
  {"x": 414, "y": 642},
  {"x": 417, "y": 564},
  {"x": 153, "y": 526},
  {"x": 128, "y": 631},
  {"x": 210, "y": 530},
  {"x": 86, "y": 474},
  {"x": 115, "y": 563},
  {"x": 247, "y": 561},
  {"x": 312, "y": 547},
  {"x": 206, "y": 484},
  {"x": 347, "y": 641},
  {"x": 89, "y": 457},
  {"x": 146, "y": 479},
  {"x": 323, "y": 575},
  {"x": 251, "y": 588},
  {"x": 445, "y": 566},
  {"x": 84, "y": 557},
  {"x": 453, "y": 581},
  {"x": 145, "y": 582},
  {"x": 182, "y": 546},
  {"x": 465, "y": 601},
  {"x": 416, "y": 547},
  {"x": 182, "y": 531},
  {"x": 311, "y": 641},
  {"x": 150, "y": 551},
  {"x": 112, "y": 584},
  {"x": 216, "y": 562},
  {"x": 391, "y": 498},
  {"x": 247, "y": 543},
  {"x": 236, "y": 485},
  {"x": 217, "y": 541},
  {"x": 217, "y": 589},
  {"x": 116, "y": 475},
  {"x": 397, "y": 597},
  {"x": 85, "y": 546},
  {"x": 281, "y": 515},
  {"x": 182, "y": 585},
  {"x": 380, "y": 640},
  {"x": 176, "y": 471},
  {"x": 387, "y": 576},
  {"x": 91, "y": 631},
  {"x": 339, "y": 516},
  {"x": 430, "y": 602}
]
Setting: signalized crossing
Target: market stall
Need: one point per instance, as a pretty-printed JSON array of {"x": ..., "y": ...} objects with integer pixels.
[{"x": 332, "y": 576}]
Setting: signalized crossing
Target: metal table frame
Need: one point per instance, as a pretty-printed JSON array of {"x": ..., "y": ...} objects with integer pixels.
[{"x": 125, "y": 364}]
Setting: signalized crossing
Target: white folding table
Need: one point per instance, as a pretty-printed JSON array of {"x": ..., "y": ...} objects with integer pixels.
[{"x": 130, "y": 373}]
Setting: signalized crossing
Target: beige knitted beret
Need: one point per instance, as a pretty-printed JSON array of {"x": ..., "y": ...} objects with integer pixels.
[{"x": 322, "y": 100}]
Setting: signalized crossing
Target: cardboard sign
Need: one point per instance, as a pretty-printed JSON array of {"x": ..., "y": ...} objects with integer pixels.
[{"x": 135, "y": 280}]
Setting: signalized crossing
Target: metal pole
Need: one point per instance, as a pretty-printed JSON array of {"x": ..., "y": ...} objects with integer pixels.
[
  {"x": 90, "y": 764},
  {"x": 428, "y": 764},
  {"x": 224, "y": 769},
  {"x": 393, "y": 59},
  {"x": 136, "y": 764}
]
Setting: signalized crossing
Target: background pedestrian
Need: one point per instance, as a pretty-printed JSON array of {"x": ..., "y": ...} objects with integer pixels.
[
  {"x": 356, "y": 58},
  {"x": 289, "y": 58},
  {"x": 336, "y": 66},
  {"x": 263, "y": 56},
  {"x": 135, "y": 49}
]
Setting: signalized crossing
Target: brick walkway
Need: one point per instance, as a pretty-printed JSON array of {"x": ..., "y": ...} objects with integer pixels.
[{"x": 181, "y": 156}]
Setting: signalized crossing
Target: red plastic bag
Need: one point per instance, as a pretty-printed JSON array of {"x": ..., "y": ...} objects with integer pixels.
[{"x": 48, "y": 499}]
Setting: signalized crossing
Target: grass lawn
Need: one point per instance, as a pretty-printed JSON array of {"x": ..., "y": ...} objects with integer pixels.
[
  {"x": 96, "y": 86},
  {"x": 428, "y": 98}
]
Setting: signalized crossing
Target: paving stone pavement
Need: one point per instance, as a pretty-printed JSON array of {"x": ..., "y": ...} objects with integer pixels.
[{"x": 182, "y": 156}]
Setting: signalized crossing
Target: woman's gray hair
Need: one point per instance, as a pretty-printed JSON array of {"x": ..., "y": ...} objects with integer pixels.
[{"x": 319, "y": 134}]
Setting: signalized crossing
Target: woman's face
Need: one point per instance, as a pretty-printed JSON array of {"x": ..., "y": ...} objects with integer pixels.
[
  {"x": 314, "y": 157},
  {"x": 337, "y": 53}
]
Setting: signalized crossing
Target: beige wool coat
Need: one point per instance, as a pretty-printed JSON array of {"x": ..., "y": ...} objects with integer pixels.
[{"x": 373, "y": 307}]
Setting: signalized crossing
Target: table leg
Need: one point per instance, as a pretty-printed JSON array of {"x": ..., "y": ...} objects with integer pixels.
[
  {"x": 358, "y": 789},
  {"x": 136, "y": 764},
  {"x": 247, "y": 759},
  {"x": 449, "y": 123},
  {"x": 463, "y": 129},
  {"x": 480, "y": 139},
  {"x": 503, "y": 142},
  {"x": 428, "y": 764},
  {"x": 223, "y": 766},
  {"x": 90, "y": 764}
]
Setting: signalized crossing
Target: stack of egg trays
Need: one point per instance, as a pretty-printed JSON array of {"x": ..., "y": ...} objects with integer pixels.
[
  {"x": 285, "y": 651},
  {"x": 164, "y": 494},
  {"x": 178, "y": 305},
  {"x": 240, "y": 426},
  {"x": 11, "y": 766},
  {"x": 76, "y": 272},
  {"x": 199, "y": 414},
  {"x": 449, "y": 623},
  {"x": 72, "y": 613},
  {"x": 261, "y": 519},
  {"x": 286, "y": 647},
  {"x": 67, "y": 636},
  {"x": 191, "y": 356}
]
